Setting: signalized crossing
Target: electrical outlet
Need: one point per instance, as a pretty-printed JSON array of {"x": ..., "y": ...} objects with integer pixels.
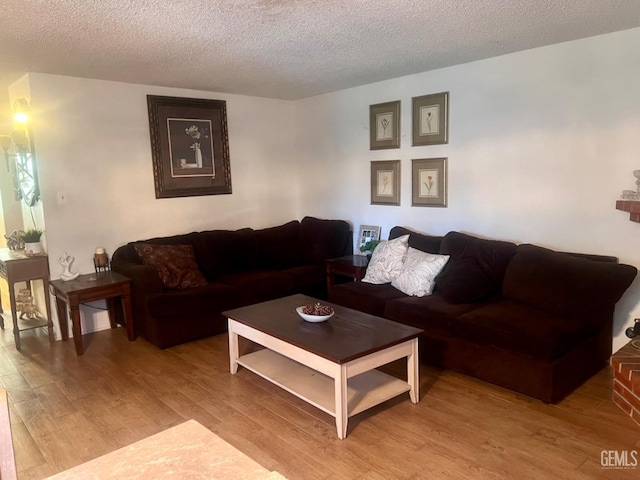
[{"x": 62, "y": 198}]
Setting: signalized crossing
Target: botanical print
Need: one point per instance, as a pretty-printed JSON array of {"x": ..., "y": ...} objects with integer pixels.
[
  {"x": 385, "y": 183},
  {"x": 430, "y": 120},
  {"x": 428, "y": 183},
  {"x": 191, "y": 147},
  {"x": 384, "y": 126}
]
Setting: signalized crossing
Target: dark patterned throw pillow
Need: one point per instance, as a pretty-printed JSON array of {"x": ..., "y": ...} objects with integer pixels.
[{"x": 175, "y": 264}]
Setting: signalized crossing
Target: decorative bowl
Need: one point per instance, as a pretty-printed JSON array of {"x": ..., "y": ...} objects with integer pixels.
[{"x": 313, "y": 318}]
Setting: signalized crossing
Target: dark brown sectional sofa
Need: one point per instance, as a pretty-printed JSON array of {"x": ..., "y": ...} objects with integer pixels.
[
  {"x": 241, "y": 267},
  {"x": 520, "y": 316}
]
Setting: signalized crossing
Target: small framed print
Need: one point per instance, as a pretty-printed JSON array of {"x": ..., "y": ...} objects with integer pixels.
[
  {"x": 385, "y": 182},
  {"x": 431, "y": 119},
  {"x": 384, "y": 122},
  {"x": 368, "y": 234},
  {"x": 429, "y": 182}
]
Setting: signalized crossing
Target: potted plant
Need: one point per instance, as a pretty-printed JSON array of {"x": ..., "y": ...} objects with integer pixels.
[
  {"x": 369, "y": 247},
  {"x": 31, "y": 239}
]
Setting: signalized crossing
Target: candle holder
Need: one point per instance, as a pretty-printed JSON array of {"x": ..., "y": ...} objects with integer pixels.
[{"x": 101, "y": 260}]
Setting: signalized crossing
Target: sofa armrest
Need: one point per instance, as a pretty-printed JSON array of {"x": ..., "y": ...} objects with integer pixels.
[{"x": 145, "y": 279}]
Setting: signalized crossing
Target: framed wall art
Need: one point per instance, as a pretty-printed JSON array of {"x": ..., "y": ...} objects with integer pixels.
[
  {"x": 431, "y": 119},
  {"x": 189, "y": 146},
  {"x": 429, "y": 182},
  {"x": 368, "y": 234},
  {"x": 385, "y": 182},
  {"x": 384, "y": 123}
]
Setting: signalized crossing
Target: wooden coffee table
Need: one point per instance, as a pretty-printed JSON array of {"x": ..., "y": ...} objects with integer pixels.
[{"x": 346, "y": 350}]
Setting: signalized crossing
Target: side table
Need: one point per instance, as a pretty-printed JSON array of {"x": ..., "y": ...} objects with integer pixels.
[
  {"x": 108, "y": 286},
  {"x": 17, "y": 267},
  {"x": 353, "y": 266}
]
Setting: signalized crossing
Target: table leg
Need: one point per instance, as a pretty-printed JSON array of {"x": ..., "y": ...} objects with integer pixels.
[
  {"x": 330, "y": 280},
  {"x": 342, "y": 397},
  {"x": 47, "y": 302},
  {"x": 77, "y": 328},
  {"x": 234, "y": 352},
  {"x": 63, "y": 319},
  {"x": 111, "y": 309},
  {"x": 413, "y": 372},
  {"x": 128, "y": 316},
  {"x": 14, "y": 314}
]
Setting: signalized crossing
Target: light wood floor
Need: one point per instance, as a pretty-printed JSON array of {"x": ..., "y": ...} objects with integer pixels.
[{"x": 67, "y": 410}]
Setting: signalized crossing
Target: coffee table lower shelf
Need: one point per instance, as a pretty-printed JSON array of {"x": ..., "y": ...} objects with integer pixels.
[{"x": 364, "y": 391}]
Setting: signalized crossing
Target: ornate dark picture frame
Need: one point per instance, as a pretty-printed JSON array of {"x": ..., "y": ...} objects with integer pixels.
[
  {"x": 429, "y": 182},
  {"x": 189, "y": 146},
  {"x": 384, "y": 125},
  {"x": 385, "y": 182},
  {"x": 430, "y": 119}
]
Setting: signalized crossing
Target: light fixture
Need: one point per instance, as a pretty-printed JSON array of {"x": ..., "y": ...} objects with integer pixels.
[
  {"x": 21, "y": 111},
  {"x": 25, "y": 174}
]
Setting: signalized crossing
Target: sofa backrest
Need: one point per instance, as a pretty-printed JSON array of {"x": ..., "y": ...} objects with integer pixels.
[
  {"x": 219, "y": 252},
  {"x": 563, "y": 283},
  {"x": 278, "y": 247},
  {"x": 475, "y": 269},
  {"x": 323, "y": 239},
  {"x": 420, "y": 241},
  {"x": 127, "y": 253},
  {"x": 223, "y": 251}
]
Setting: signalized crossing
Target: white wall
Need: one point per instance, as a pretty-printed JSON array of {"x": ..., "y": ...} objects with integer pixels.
[
  {"x": 92, "y": 142},
  {"x": 542, "y": 142}
]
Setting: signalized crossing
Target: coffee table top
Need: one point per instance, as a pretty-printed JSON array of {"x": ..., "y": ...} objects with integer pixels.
[{"x": 348, "y": 335}]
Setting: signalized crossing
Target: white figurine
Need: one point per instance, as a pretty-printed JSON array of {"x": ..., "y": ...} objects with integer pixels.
[{"x": 66, "y": 260}]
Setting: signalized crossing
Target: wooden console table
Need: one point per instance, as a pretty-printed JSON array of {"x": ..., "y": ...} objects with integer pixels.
[
  {"x": 107, "y": 286},
  {"x": 17, "y": 267}
]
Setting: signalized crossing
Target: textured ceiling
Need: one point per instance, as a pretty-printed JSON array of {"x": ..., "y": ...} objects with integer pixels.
[{"x": 286, "y": 49}]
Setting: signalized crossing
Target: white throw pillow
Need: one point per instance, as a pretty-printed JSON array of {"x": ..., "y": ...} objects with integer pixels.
[
  {"x": 419, "y": 272},
  {"x": 387, "y": 260}
]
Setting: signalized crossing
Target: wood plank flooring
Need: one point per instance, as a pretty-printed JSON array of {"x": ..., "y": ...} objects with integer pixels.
[{"x": 66, "y": 410}]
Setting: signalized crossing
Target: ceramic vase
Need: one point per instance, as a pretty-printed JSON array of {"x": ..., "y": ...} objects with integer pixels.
[{"x": 33, "y": 248}]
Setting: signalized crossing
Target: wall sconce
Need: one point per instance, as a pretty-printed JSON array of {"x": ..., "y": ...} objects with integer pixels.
[{"x": 25, "y": 174}]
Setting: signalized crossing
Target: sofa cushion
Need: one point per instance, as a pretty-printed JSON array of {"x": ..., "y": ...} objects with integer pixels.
[
  {"x": 278, "y": 247},
  {"x": 307, "y": 276},
  {"x": 522, "y": 329},
  {"x": 193, "y": 301},
  {"x": 419, "y": 241},
  {"x": 259, "y": 285},
  {"x": 387, "y": 261},
  {"x": 223, "y": 251},
  {"x": 419, "y": 272},
  {"x": 563, "y": 283},
  {"x": 366, "y": 297},
  {"x": 175, "y": 264},
  {"x": 323, "y": 239},
  {"x": 476, "y": 268},
  {"x": 433, "y": 313}
]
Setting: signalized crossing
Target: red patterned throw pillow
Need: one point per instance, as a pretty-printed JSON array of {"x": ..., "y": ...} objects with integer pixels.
[{"x": 176, "y": 264}]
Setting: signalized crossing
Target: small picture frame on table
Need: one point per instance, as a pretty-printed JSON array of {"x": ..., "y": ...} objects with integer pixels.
[
  {"x": 385, "y": 182},
  {"x": 429, "y": 182},
  {"x": 384, "y": 123},
  {"x": 430, "y": 119},
  {"x": 368, "y": 234}
]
